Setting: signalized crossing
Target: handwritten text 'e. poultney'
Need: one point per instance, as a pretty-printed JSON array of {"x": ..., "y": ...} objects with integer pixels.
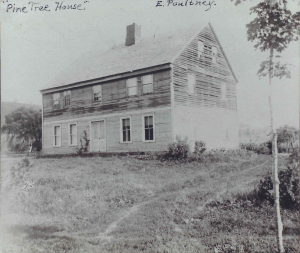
[
  {"x": 184, "y": 3},
  {"x": 36, "y": 7}
]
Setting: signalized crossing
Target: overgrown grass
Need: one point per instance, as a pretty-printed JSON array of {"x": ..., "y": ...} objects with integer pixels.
[{"x": 133, "y": 204}]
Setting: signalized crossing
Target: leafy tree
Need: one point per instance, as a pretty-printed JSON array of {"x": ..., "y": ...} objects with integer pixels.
[
  {"x": 287, "y": 134},
  {"x": 273, "y": 29},
  {"x": 24, "y": 125}
]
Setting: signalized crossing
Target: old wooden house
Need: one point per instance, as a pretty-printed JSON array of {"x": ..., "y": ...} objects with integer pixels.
[{"x": 140, "y": 95}]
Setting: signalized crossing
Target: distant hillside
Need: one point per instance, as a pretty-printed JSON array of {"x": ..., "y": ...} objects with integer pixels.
[{"x": 8, "y": 107}]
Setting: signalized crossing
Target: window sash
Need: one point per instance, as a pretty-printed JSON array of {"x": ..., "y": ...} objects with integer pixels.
[
  {"x": 73, "y": 134},
  {"x": 126, "y": 130},
  {"x": 67, "y": 100},
  {"x": 200, "y": 48},
  {"x": 147, "y": 82},
  {"x": 149, "y": 128},
  {"x": 97, "y": 91},
  {"x": 57, "y": 136},
  {"x": 132, "y": 85},
  {"x": 56, "y": 100},
  {"x": 147, "y": 88}
]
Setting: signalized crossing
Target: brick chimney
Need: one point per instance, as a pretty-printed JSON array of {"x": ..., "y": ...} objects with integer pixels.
[{"x": 133, "y": 34}]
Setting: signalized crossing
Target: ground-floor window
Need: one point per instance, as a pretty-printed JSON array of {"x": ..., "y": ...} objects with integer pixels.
[
  {"x": 57, "y": 136},
  {"x": 125, "y": 130},
  {"x": 72, "y": 134},
  {"x": 148, "y": 128}
]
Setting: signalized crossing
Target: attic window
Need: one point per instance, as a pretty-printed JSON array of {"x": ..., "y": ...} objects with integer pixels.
[
  {"x": 67, "y": 98},
  {"x": 132, "y": 86},
  {"x": 214, "y": 54},
  {"x": 56, "y": 100},
  {"x": 200, "y": 49},
  {"x": 147, "y": 82},
  {"x": 97, "y": 91},
  {"x": 191, "y": 83}
]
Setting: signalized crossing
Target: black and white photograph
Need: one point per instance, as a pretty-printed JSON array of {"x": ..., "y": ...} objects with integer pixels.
[{"x": 151, "y": 126}]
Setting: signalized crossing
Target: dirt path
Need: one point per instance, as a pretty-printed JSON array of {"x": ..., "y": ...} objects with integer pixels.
[{"x": 105, "y": 235}]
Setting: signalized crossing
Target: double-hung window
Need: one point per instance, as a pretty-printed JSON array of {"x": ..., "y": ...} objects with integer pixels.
[
  {"x": 147, "y": 82},
  {"x": 125, "y": 130},
  {"x": 57, "y": 136},
  {"x": 132, "y": 87},
  {"x": 67, "y": 98},
  {"x": 148, "y": 128},
  {"x": 214, "y": 54},
  {"x": 200, "y": 49},
  {"x": 56, "y": 100},
  {"x": 97, "y": 93},
  {"x": 73, "y": 134},
  {"x": 191, "y": 83}
]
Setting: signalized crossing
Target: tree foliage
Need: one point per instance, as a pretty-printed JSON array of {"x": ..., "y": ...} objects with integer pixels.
[
  {"x": 277, "y": 69},
  {"x": 287, "y": 134},
  {"x": 274, "y": 27},
  {"x": 24, "y": 125}
]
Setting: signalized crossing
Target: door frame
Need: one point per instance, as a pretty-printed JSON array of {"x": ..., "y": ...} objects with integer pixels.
[{"x": 91, "y": 145}]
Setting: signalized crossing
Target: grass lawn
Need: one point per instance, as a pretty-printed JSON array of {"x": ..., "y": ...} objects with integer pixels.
[{"x": 124, "y": 204}]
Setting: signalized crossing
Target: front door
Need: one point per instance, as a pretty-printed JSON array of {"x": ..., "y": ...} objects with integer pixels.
[{"x": 98, "y": 138}]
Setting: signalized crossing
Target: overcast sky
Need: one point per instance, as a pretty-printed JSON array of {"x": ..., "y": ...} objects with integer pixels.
[{"x": 36, "y": 46}]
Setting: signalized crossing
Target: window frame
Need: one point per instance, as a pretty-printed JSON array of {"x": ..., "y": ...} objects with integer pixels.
[
  {"x": 214, "y": 57},
  {"x": 188, "y": 90},
  {"x": 65, "y": 94},
  {"x": 121, "y": 129},
  {"x": 200, "y": 54},
  {"x": 54, "y": 100},
  {"x": 137, "y": 87},
  {"x": 69, "y": 134},
  {"x": 60, "y": 127},
  {"x": 143, "y": 130},
  {"x": 147, "y": 84},
  {"x": 97, "y": 101}
]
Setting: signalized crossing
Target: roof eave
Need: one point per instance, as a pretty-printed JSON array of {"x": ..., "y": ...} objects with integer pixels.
[
  {"x": 105, "y": 78},
  {"x": 210, "y": 25}
]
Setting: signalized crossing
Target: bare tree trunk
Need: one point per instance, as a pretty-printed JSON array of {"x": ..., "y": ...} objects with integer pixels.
[{"x": 275, "y": 161}]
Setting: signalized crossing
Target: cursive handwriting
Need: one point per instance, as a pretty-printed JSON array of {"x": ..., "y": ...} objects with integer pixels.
[
  {"x": 184, "y": 3},
  {"x": 37, "y": 7}
]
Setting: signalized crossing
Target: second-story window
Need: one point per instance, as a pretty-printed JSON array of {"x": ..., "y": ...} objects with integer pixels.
[
  {"x": 147, "y": 82},
  {"x": 191, "y": 83},
  {"x": 200, "y": 49},
  {"x": 56, "y": 100},
  {"x": 97, "y": 91},
  {"x": 67, "y": 98},
  {"x": 132, "y": 86},
  {"x": 214, "y": 54}
]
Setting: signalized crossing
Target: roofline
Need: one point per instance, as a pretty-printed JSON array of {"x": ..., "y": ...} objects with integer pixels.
[
  {"x": 210, "y": 25},
  {"x": 185, "y": 46},
  {"x": 104, "y": 78}
]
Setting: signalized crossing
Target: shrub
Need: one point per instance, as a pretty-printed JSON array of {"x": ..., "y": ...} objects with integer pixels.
[
  {"x": 289, "y": 188},
  {"x": 83, "y": 147},
  {"x": 199, "y": 147},
  {"x": 179, "y": 149},
  {"x": 263, "y": 148}
]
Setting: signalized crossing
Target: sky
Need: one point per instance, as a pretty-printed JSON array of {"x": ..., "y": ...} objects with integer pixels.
[{"x": 36, "y": 46}]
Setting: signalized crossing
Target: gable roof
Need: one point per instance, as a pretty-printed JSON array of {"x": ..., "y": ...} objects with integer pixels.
[{"x": 147, "y": 52}]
